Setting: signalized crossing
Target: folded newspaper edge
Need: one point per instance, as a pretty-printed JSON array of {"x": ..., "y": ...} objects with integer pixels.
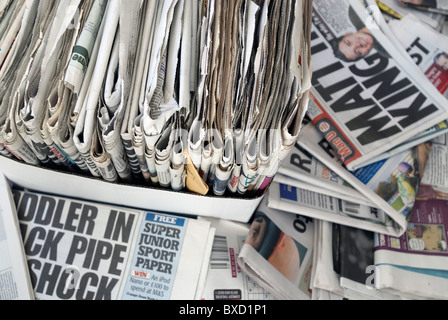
[
  {"x": 310, "y": 141},
  {"x": 301, "y": 165},
  {"x": 327, "y": 278},
  {"x": 298, "y": 199}
]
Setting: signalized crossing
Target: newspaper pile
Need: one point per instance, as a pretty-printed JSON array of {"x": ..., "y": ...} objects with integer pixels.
[
  {"x": 369, "y": 168},
  {"x": 350, "y": 261},
  {"x": 358, "y": 162},
  {"x": 358, "y": 207},
  {"x": 205, "y": 96}
]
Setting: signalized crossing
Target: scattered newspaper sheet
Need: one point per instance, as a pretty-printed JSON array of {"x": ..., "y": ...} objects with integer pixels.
[
  {"x": 80, "y": 250},
  {"x": 324, "y": 276},
  {"x": 355, "y": 276},
  {"x": 301, "y": 165},
  {"x": 15, "y": 280},
  {"x": 286, "y": 180},
  {"x": 278, "y": 252},
  {"x": 296, "y": 198},
  {"x": 367, "y": 99},
  {"x": 391, "y": 184}
]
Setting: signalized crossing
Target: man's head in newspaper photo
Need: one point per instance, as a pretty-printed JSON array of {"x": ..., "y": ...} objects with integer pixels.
[
  {"x": 276, "y": 247},
  {"x": 353, "y": 46},
  {"x": 441, "y": 60}
]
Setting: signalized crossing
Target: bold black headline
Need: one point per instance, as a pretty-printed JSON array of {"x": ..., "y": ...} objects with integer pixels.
[
  {"x": 383, "y": 99},
  {"x": 59, "y": 237},
  {"x": 157, "y": 248}
]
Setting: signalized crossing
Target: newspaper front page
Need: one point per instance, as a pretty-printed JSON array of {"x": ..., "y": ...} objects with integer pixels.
[
  {"x": 366, "y": 99},
  {"x": 79, "y": 250},
  {"x": 409, "y": 34},
  {"x": 426, "y": 47}
]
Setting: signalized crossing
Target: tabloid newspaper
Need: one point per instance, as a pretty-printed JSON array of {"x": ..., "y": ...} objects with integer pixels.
[
  {"x": 366, "y": 98},
  {"x": 15, "y": 280},
  {"x": 418, "y": 47},
  {"x": 278, "y": 252},
  {"x": 80, "y": 250},
  {"x": 391, "y": 185}
]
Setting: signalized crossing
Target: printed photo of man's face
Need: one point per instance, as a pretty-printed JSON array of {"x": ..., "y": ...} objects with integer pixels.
[
  {"x": 442, "y": 61},
  {"x": 356, "y": 45}
]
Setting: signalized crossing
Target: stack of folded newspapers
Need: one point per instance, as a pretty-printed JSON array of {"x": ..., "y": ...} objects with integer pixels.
[{"x": 207, "y": 96}]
